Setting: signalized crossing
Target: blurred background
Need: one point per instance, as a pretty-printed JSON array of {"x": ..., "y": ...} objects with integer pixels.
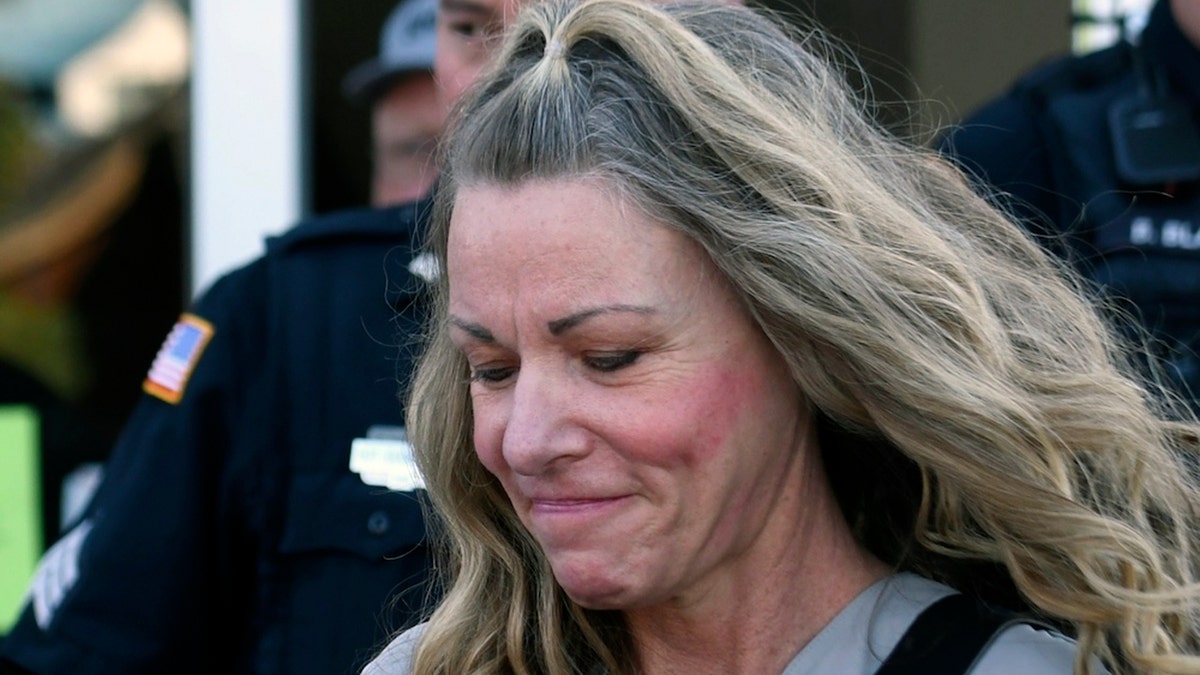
[{"x": 146, "y": 146}]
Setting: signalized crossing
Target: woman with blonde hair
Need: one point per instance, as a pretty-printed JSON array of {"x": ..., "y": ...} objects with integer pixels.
[{"x": 724, "y": 379}]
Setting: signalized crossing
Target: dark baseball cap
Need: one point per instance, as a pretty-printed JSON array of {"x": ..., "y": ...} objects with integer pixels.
[{"x": 405, "y": 46}]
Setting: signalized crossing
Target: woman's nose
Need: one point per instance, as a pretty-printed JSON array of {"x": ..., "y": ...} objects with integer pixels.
[{"x": 543, "y": 428}]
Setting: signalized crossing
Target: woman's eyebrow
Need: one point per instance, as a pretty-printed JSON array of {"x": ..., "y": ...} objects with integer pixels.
[
  {"x": 559, "y": 326},
  {"x": 473, "y": 329}
]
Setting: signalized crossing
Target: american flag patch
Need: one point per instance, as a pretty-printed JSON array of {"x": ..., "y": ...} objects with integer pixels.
[{"x": 178, "y": 357}]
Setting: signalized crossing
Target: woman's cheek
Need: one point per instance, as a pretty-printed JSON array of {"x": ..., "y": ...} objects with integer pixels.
[{"x": 489, "y": 435}]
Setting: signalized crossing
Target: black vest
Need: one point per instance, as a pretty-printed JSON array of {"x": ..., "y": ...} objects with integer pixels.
[
  {"x": 1136, "y": 236},
  {"x": 347, "y": 562}
]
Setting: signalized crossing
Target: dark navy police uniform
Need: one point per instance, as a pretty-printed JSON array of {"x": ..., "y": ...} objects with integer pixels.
[
  {"x": 1102, "y": 155},
  {"x": 230, "y": 535}
]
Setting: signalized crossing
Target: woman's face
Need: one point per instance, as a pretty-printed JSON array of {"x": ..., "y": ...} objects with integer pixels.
[{"x": 646, "y": 431}]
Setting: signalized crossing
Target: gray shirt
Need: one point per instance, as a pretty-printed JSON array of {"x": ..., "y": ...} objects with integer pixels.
[{"x": 861, "y": 636}]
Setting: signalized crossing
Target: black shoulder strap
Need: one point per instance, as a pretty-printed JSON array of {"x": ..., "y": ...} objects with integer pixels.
[{"x": 947, "y": 637}]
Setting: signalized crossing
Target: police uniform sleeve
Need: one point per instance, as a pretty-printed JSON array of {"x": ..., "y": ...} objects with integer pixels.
[{"x": 134, "y": 587}]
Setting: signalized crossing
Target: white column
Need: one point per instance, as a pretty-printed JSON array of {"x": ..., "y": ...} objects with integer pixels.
[{"x": 248, "y": 178}]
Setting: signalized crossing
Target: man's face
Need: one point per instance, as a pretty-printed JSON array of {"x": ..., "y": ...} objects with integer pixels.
[
  {"x": 405, "y": 124},
  {"x": 1187, "y": 15},
  {"x": 468, "y": 32}
]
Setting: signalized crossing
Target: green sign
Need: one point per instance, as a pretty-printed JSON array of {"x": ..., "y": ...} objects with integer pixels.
[{"x": 20, "y": 507}]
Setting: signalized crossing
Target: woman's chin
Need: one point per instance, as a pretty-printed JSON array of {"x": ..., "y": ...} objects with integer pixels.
[{"x": 595, "y": 588}]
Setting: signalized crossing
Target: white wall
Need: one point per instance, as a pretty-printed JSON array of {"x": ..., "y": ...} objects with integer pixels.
[{"x": 247, "y": 159}]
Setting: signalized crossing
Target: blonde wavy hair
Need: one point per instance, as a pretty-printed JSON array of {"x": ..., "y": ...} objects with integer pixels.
[{"x": 980, "y": 422}]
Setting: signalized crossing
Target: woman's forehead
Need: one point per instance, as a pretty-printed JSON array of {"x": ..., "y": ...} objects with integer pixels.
[{"x": 570, "y": 233}]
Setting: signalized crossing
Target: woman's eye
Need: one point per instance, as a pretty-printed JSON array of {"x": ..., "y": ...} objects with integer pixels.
[
  {"x": 491, "y": 375},
  {"x": 609, "y": 362}
]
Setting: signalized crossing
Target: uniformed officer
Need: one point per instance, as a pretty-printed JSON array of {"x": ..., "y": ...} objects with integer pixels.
[
  {"x": 1101, "y": 155},
  {"x": 260, "y": 512},
  {"x": 406, "y": 113}
]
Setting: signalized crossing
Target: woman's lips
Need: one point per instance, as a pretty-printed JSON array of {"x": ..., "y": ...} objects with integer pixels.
[
  {"x": 571, "y": 503},
  {"x": 574, "y": 508}
]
